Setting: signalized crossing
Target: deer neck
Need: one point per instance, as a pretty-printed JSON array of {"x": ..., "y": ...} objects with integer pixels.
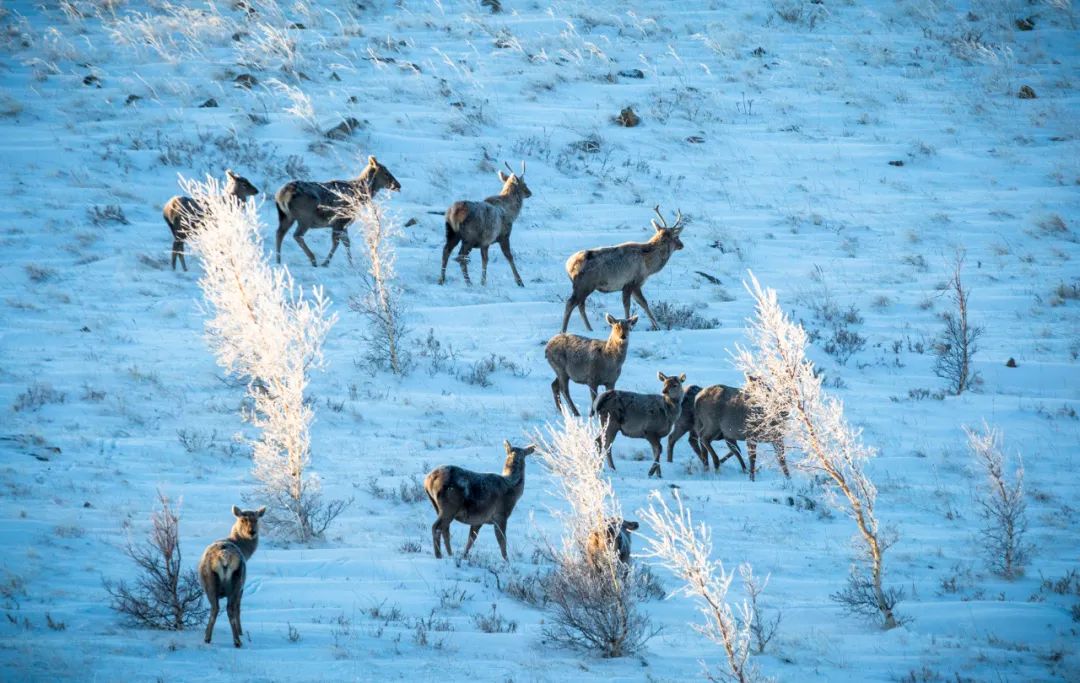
[
  {"x": 617, "y": 344},
  {"x": 510, "y": 200},
  {"x": 673, "y": 406},
  {"x": 656, "y": 254},
  {"x": 514, "y": 471},
  {"x": 246, "y": 544}
]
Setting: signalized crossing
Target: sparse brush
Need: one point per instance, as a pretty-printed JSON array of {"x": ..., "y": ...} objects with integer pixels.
[
  {"x": 957, "y": 344},
  {"x": 163, "y": 596},
  {"x": 686, "y": 550},
  {"x": 1002, "y": 505},
  {"x": 783, "y": 385},
  {"x": 591, "y": 595},
  {"x": 262, "y": 327}
]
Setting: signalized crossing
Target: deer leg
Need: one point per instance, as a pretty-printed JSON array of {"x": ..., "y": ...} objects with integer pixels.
[
  {"x": 298, "y": 235},
  {"x": 604, "y": 442},
  {"x": 570, "y": 303},
  {"x": 712, "y": 453},
  {"x": 657, "y": 449},
  {"x": 626, "y": 300},
  {"x": 556, "y": 391},
  {"x": 676, "y": 434},
  {"x": 215, "y": 606},
  {"x": 452, "y": 239},
  {"x": 284, "y": 223},
  {"x": 640, "y": 298},
  {"x": 779, "y": 448},
  {"x": 436, "y": 533},
  {"x": 473, "y": 531},
  {"x": 178, "y": 251},
  {"x": 733, "y": 449},
  {"x": 504, "y": 244},
  {"x": 335, "y": 237},
  {"x": 233, "y": 611},
  {"x": 239, "y": 602},
  {"x": 584, "y": 318},
  {"x": 347, "y": 243},
  {"x": 463, "y": 261},
  {"x": 564, "y": 385},
  {"x": 699, "y": 451},
  {"x": 446, "y": 536},
  {"x": 483, "y": 265},
  {"x": 751, "y": 448},
  {"x": 500, "y": 536},
  {"x": 592, "y": 399}
]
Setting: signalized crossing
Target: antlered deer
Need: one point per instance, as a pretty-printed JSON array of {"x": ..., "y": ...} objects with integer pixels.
[
  {"x": 622, "y": 267},
  {"x": 328, "y": 205}
]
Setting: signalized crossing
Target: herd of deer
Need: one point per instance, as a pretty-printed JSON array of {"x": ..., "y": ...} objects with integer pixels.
[{"x": 475, "y": 498}]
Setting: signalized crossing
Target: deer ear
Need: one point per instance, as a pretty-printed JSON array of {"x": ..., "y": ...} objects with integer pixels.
[
  {"x": 661, "y": 376},
  {"x": 610, "y": 319},
  {"x": 630, "y": 526},
  {"x": 507, "y": 446},
  {"x": 502, "y": 176},
  {"x": 261, "y": 511},
  {"x": 657, "y": 226},
  {"x": 530, "y": 449},
  {"x": 235, "y": 511},
  {"x": 632, "y": 320},
  {"x": 229, "y": 173},
  {"x": 682, "y": 377},
  {"x": 372, "y": 162}
]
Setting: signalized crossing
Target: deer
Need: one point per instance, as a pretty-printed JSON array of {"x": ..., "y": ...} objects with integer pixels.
[
  {"x": 223, "y": 568},
  {"x": 622, "y": 267},
  {"x": 182, "y": 213},
  {"x": 685, "y": 423},
  {"x": 644, "y": 416},
  {"x": 476, "y": 498},
  {"x": 331, "y": 204},
  {"x": 481, "y": 224},
  {"x": 612, "y": 537},
  {"x": 723, "y": 412},
  {"x": 588, "y": 361}
]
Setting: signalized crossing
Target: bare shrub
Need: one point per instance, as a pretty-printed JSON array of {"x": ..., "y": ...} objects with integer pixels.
[
  {"x": 955, "y": 348},
  {"x": 682, "y": 317},
  {"x": 686, "y": 549},
  {"x": 788, "y": 393},
  {"x": 1001, "y": 506},
  {"x": 102, "y": 215},
  {"x": 593, "y": 599},
  {"x": 164, "y": 596},
  {"x": 833, "y": 326},
  {"x": 763, "y": 629},
  {"x": 36, "y": 396},
  {"x": 380, "y": 299},
  {"x": 264, "y": 329}
]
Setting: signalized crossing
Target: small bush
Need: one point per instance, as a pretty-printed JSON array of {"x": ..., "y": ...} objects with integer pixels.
[
  {"x": 494, "y": 622},
  {"x": 36, "y": 396},
  {"x": 681, "y": 317},
  {"x": 102, "y": 215},
  {"x": 39, "y": 274},
  {"x": 164, "y": 596}
]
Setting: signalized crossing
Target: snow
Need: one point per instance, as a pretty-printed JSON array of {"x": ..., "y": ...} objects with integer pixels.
[{"x": 792, "y": 181}]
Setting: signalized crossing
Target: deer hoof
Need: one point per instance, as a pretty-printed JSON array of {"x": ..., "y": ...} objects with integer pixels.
[{"x": 655, "y": 470}]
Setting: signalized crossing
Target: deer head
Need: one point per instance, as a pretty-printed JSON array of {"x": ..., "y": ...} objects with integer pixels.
[
  {"x": 669, "y": 233},
  {"x": 514, "y": 183},
  {"x": 380, "y": 177}
]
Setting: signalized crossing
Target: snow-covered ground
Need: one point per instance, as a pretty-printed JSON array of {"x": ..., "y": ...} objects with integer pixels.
[{"x": 771, "y": 125}]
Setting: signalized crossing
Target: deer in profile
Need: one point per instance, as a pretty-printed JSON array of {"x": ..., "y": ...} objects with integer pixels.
[
  {"x": 723, "y": 412},
  {"x": 623, "y": 267},
  {"x": 332, "y": 204},
  {"x": 182, "y": 213},
  {"x": 643, "y": 416},
  {"x": 481, "y": 224},
  {"x": 223, "y": 569},
  {"x": 476, "y": 498},
  {"x": 588, "y": 361},
  {"x": 613, "y": 537}
]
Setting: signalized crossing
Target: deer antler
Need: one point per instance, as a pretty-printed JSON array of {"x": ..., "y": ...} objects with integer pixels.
[
  {"x": 522, "y": 168},
  {"x": 663, "y": 222},
  {"x": 507, "y": 164}
]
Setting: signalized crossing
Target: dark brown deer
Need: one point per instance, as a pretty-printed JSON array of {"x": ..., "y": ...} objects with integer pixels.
[
  {"x": 723, "y": 412},
  {"x": 588, "y": 361},
  {"x": 623, "y": 267},
  {"x": 481, "y": 224},
  {"x": 223, "y": 569},
  {"x": 476, "y": 498},
  {"x": 642, "y": 416},
  {"x": 183, "y": 213},
  {"x": 332, "y": 204}
]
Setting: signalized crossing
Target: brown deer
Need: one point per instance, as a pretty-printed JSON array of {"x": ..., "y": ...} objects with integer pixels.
[
  {"x": 182, "y": 214},
  {"x": 481, "y": 224},
  {"x": 643, "y": 416},
  {"x": 723, "y": 412},
  {"x": 588, "y": 361},
  {"x": 622, "y": 267},
  {"x": 613, "y": 537},
  {"x": 223, "y": 569},
  {"x": 328, "y": 205},
  {"x": 476, "y": 498}
]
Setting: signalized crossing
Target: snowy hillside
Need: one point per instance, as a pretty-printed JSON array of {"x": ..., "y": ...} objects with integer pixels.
[{"x": 843, "y": 152}]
